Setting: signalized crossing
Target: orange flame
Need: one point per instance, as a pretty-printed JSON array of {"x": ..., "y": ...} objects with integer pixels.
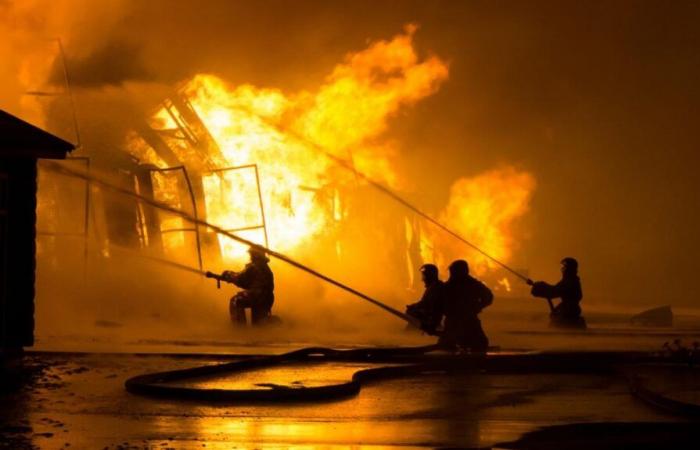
[
  {"x": 483, "y": 210},
  {"x": 280, "y": 133}
]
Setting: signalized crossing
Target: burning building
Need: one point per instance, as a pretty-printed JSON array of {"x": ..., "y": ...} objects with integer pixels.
[
  {"x": 290, "y": 170},
  {"x": 263, "y": 162}
]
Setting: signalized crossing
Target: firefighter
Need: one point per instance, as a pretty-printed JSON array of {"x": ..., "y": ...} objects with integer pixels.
[
  {"x": 426, "y": 309},
  {"x": 568, "y": 312},
  {"x": 257, "y": 281},
  {"x": 464, "y": 298}
]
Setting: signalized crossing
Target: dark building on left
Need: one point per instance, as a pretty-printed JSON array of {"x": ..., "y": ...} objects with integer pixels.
[{"x": 21, "y": 145}]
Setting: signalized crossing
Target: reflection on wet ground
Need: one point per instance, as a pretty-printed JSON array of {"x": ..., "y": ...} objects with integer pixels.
[
  {"x": 294, "y": 376},
  {"x": 78, "y": 401}
]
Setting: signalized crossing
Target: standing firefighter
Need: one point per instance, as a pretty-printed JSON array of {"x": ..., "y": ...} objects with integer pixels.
[
  {"x": 426, "y": 310},
  {"x": 257, "y": 281},
  {"x": 568, "y": 312},
  {"x": 464, "y": 298}
]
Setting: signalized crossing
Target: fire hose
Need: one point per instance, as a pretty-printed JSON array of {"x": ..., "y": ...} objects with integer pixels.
[
  {"x": 348, "y": 165},
  {"x": 156, "y": 384},
  {"x": 400, "y": 363},
  {"x": 420, "y": 362},
  {"x": 57, "y": 168}
]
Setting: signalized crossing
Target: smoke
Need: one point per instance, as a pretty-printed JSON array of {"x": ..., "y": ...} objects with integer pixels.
[
  {"x": 113, "y": 64},
  {"x": 349, "y": 110},
  {"x": 287, "y": 134},
  {"x": 124, "y": 299},
  {"x": 31, "y": 57}
]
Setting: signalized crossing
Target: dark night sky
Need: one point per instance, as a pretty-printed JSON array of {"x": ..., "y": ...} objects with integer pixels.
[{"x": 599, "y": 100}]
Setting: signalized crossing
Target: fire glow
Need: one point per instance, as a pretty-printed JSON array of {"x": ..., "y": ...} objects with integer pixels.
[{"x": 347, "y": 115}]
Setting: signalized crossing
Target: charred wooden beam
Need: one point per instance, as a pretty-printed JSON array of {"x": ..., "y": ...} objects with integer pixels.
[
  {"x": 157, "y": 143},
  {"x": 195, "y": 131}
]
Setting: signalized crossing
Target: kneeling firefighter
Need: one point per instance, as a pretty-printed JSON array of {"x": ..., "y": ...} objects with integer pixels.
[
  {"x": 258, "y": 284},
  {"x": 426, "y": 310},
  {"x": 464, "y": 298}
]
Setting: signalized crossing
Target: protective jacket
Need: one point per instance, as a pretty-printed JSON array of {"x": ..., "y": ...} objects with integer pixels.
[
  {"x": 568, "y": 289},
  {"x": 427, "y": 309},
  {"x": 463, "y": 300},
  {"x": 258, "y": 281}
]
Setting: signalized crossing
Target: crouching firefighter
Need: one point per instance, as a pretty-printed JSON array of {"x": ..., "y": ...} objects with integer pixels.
[
  {"x": 567, "y": 313},
  {"x": 257, "y": 281},
  {"x": 426, "y": 310}
]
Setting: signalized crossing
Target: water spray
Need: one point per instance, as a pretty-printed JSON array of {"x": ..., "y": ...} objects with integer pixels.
[
  {"x": 388, "y": 192},
  {"x": 60, "y": 169},
  {"x": 393, "y": 195},
  {"x": 165, "y": 262}
]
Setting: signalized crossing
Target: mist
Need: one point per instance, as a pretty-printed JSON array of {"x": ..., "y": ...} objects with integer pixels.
[{"x": 610, "y": 152}]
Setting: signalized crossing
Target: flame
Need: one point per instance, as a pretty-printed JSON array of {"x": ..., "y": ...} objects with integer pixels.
[
  {"x": 282, "y": 133},
  {"x": 275, "y": 141},
  {"x": 483, "y": 210},
  {"x": 504, "y": 283}
]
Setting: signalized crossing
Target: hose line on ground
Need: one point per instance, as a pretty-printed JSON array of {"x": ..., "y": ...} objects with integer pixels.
[
  {"x": 161, "y": 384},
  {"x": 398, "y": 363}
]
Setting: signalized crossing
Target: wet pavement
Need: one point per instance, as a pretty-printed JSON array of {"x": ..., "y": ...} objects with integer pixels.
[
  {"x": 79, "y": 401},
  {"x": 71, "y": 393}
]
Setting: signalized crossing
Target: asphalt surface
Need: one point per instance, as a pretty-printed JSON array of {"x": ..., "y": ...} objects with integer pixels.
[
  {"x": 78, "y": 401},
  {"x": 69, "y": 393}
]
